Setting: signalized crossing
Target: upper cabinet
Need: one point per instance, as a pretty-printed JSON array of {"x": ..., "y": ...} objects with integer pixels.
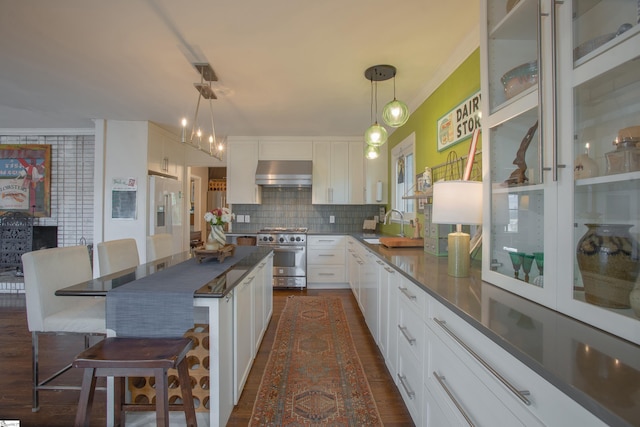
[
  {"x": 561, "y": 86},
  {"x": 165, "y": 154},
  {"x": 338, "y": 175},
  {"x": 242, "y": 161}
]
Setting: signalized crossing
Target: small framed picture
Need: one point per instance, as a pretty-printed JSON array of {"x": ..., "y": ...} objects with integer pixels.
[{"x": 421, "y": 188}]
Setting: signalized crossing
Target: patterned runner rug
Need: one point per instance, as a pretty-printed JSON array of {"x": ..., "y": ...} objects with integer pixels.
[{"x": 314, "y": 376}]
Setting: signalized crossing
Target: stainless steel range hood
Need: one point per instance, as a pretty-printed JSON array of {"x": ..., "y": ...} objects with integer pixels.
[{"x": 284, "y": 173}]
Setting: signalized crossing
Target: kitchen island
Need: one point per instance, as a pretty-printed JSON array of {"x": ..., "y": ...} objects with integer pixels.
[
  {"x": 599, "y": 371},
  {"x": 235, "y": 300}
]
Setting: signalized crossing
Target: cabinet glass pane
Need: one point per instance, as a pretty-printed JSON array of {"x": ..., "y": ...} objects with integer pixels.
[
  {"x": 607, "y": 187},
  {"x": 600, "y": 24},
  {"x": 512, "y": 50},
  {"x": 517, "y": 201}
]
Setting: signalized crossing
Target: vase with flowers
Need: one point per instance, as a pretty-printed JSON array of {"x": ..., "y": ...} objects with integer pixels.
[{"x": 217, "y": 219}]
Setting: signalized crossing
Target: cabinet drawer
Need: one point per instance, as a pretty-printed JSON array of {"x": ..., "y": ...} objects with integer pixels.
[
  {"x": 410, "y": 330},
  {"x": 325, "y": 257},
  {"x": 326, "y": 274},
  {"x": 453, "y": 383},
  {"x": 326, "y": 241},
  {"x": 532, "y": 398},
  {"x": 409, "y": 380},
  {"x": 411, "y": 294}
]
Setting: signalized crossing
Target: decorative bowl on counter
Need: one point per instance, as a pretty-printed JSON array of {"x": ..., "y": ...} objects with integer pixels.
[{"x": 520, "y": 78}]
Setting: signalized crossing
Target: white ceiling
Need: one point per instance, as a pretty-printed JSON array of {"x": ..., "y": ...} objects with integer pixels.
[{"x": 285, "y": 67}]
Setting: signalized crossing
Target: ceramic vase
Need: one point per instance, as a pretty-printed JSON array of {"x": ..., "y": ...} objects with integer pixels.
[
  {"x": 585, "y": 167},
  {"x": 607, "y": 257},
  {"x": 217, "y": 238},
  {"x": 634, "y": 299}
]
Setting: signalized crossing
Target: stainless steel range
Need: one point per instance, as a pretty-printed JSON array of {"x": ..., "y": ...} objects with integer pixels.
[{"x": 290, "y": 255}]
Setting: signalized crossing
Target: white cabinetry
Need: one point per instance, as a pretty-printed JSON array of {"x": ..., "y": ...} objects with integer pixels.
[
  {"x": 165, "y": 154},
  {"x": 338, "y": 176},
  {"x": 370, "y": 293},
  {"x": 251, "y": 313},
  {"x": 354, "y": 261},
  {"x": 285, "y": 149},
  {"x": 583, "y": 94},
  {"x": 243, "y": 343},
  {"x": 326, "y": 259},
  {"x": 242, "y": 161}
]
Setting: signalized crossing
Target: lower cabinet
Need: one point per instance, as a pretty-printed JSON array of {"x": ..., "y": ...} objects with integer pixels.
[
  {"x": 252, "y": 308},
  {"x": 447, "y": 371},
  {"x": 326, "y": 259}
]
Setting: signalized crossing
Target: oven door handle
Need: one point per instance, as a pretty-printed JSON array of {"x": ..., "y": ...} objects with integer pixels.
[{"x": 284, "y": 248}]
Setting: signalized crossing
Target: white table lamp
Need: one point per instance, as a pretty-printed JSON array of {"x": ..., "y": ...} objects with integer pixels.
[{"x": 457, "y": 202}]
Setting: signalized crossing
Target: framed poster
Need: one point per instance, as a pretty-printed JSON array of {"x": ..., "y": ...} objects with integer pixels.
[
  {"x": 459, "y": 123},
  {"x": 124, "y": 193},
  {"x": 25, "y": 179}
]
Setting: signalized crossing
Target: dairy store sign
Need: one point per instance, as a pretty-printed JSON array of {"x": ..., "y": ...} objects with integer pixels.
[
  {"x": 25, "y": 179},
  {"x": 459, "y": 123}
]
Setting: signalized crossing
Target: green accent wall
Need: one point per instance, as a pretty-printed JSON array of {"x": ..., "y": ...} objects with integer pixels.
[{"x": 461, "y": 84}]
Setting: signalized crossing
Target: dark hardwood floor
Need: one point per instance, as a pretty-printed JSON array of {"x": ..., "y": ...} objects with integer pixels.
[{"x": 57, "y": 408}]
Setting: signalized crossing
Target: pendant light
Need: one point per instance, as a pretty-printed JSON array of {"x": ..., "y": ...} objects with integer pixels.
[
  {"x": 395, "y": 113},
  {"x": 215, "y": 147},
  {"x": 371, "y": 152},
  {"x": 376, "y": 135}
]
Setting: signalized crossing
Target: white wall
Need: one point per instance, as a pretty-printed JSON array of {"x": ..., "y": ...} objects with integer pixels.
[{"x": 121, "y": 152}]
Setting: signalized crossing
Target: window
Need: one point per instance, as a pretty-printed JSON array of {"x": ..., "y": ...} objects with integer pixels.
[{"x": 403, "y": 178}]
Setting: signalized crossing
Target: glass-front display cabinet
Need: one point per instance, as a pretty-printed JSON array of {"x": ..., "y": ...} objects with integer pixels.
[{"x": 562, "y": 176}]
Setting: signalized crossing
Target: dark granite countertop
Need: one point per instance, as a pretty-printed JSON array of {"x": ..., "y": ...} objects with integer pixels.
[{"x": 596, "y": 369}]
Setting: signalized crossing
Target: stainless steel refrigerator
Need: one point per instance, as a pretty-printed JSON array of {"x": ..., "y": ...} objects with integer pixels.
[
  {"x": 216, "y": 199},
  {"x": 167, "y": 210}
]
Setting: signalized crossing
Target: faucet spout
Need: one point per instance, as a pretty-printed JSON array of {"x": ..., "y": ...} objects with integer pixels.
[{"x": 386, "y": 220}]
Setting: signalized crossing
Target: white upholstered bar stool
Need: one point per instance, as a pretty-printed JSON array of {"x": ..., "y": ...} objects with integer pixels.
[
  {"x": 117, "y": 255},
  {"x": 159, "y": 246},
  {"x": 46, "y": 271}
]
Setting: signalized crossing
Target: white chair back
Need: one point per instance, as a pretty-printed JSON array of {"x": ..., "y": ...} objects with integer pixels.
[
  {"x": 46, "y": 271},
  {"x": 117, "y": 255},
  {"x": 159, "y": 246}
]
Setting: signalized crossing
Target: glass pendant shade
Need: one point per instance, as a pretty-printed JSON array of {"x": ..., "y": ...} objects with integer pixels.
[
  {"x": 395, "y": 113},
  {"x": 371, "y": 152},
  {"x": 376, "y": 135}
]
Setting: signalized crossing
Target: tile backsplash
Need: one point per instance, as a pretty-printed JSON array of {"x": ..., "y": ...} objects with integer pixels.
[{"x": 291, "y": 207}]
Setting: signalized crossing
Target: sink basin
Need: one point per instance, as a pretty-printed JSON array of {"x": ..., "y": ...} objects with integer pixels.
[{"x": 372, "y": 241}]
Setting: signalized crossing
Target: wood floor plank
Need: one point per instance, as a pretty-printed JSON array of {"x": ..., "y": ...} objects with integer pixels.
[{"x": 58, "y": 408}]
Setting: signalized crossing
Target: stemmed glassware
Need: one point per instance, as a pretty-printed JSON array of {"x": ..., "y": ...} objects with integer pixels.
[
  {"x": 516, "y": 261},
  {"x": 539, "y": 257},
  {"x": 527, "y": 262}
]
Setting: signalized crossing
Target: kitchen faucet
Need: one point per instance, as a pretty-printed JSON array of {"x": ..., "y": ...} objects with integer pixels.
[{"x": 386, "y": 220}]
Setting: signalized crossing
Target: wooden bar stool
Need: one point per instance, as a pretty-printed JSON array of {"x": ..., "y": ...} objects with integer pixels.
[{"x": 136, "y": 357}]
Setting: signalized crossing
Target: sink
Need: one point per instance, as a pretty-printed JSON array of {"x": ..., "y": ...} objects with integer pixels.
[{"x": 372, "y": 241}]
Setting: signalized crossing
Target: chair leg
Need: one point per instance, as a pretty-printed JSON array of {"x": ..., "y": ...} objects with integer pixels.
[
  {"x": 35, "y": 406},
  {"x": 85, "y": 401},
  {"x": 187, "y": 396},
  {"x": 118, "y": 402},
  {"x": 162, "y": 398}
]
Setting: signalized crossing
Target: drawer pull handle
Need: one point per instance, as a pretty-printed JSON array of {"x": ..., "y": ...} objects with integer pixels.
[
  {"x": 520, "y": 394},
  {"x": 406, "y": 293},
  {"x": 389, "y": 270},
  {"x": 326, "y": 255},
  {"x": 408, "y": 337},
  {"x": 405, "y": 385},
  {"x": 453, "y": 398},
  {"x": 325, "y": 274}
]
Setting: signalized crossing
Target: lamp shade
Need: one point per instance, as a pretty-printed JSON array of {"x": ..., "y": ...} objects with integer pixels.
[
  {"x": 376, "y": 135},
  {"x": 457, "y": 202},
  {"x": 395, "y": 113}
]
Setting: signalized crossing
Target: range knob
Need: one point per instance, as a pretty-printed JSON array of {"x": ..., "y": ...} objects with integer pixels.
[
  {"x": 270, "y": 238},
  {"x": 297, "y": 239},
  {"x": 281, "y": 239},
  {"x": 292, "y": 238}
]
